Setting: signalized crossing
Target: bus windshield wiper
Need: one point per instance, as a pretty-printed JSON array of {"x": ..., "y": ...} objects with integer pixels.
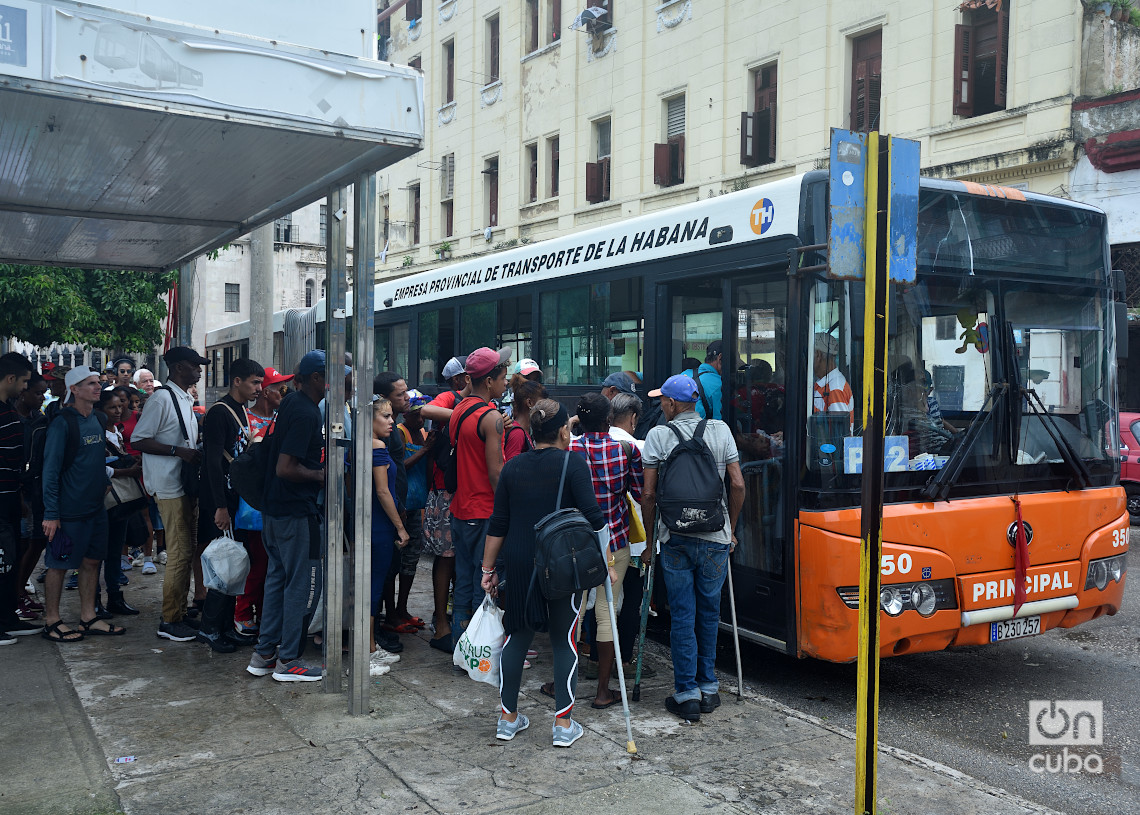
[
  {"x": 940, "y": 483},
  {"x": 1064, "y": 446}
]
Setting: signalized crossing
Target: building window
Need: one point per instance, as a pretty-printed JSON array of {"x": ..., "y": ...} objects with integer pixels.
[
  {"x": 758, "y": 128},
  {"x": 981, "y": 60},
  {"x": 417, "y": 63},
  {"x": 283, "y": 229},
  {"x": 324, "y": 224},
  {"x": 233, "y": 297},
  {"x": 530, "y": 25},
  {"x": 447, "y": 215},
  {"x": 554, "y": 20},
  {"x": 414, "y": 210},
  {"x": 669, "y": 158},
  {"x": 385, "y": 219},
  {"x": 946, "y": 327},
  {"x": 598, "y": 171},
  {"x": 449, "y": 71},
  {"x": 531, "y": 153},
  {"x": 607, "y": 19},
  {"x": 491, "y": 190},
  {"x": 552, "y": 163},
  {"x": 309, "y": 286},
  {"x": 866, "y": 81},
  {"x": 447, "y": 177},
  {"x": 493, "y": 49},
  {"x": 414, "y": 10}
]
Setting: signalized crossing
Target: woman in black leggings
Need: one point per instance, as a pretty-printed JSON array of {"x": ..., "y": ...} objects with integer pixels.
[{"x": 527, "y": 492}]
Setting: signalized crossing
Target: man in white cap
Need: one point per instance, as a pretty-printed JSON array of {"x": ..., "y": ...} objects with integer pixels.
[{"x": 75, "y": 523}]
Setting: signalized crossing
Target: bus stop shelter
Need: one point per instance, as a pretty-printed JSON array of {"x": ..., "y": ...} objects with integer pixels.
[{"x": 128, "y": 142}]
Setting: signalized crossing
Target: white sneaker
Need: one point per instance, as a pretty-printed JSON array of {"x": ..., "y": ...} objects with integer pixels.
[
  {"x": 382, "y": 657},
  {"x": 375, "y": 669},
  {"x": 162, "y": 557},
  {"x": 149, "y": 567}
]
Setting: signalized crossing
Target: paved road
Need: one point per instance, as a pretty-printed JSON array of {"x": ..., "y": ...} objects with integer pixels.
[{"x": 968, "y": 708}]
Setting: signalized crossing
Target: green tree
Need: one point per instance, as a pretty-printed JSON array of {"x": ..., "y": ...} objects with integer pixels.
[{"x": 93, "y": 307}]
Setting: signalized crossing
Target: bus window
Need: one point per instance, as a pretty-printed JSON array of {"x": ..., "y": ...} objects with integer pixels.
[
  {"x": 1062, "y": 355},
  {"x": 589, "y": 332},
  {"x": 436, "y": 342},
  {"x": 504, "y": 323},
  {"x": 697, "y": 317},
  {"x": 391, "y": 348},
  {"x": 832, "y": 390}
]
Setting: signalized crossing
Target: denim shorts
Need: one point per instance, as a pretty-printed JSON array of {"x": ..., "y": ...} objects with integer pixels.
[{"x": 88, "y": 540}]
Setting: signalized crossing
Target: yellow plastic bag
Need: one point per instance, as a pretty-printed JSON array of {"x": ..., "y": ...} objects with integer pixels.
[{"x": 636, "y": 527}]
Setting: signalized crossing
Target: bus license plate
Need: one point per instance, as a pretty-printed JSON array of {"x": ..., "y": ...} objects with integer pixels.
[{"x": 1012, "y": 629}]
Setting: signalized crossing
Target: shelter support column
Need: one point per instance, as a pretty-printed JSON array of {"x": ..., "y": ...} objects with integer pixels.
[
  {"x": 261, "y": 293},
  {"x": 336, "y": 288},
  {"x": 363, "y": 312}
]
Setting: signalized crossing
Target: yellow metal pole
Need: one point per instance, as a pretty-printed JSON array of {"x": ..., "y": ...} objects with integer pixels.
[{"x": 874, "y": 430}]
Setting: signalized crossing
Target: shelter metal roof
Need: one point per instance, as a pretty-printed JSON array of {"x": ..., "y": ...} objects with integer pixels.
[{"x": 131, "y": 144}]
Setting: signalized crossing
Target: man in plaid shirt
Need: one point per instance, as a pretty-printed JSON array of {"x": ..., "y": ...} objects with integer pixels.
[{"x": 614, "y": 473}]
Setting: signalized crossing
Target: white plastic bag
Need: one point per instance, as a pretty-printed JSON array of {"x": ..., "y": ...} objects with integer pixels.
[
  {"x": 480, "y": 649},
  {"x": 225, "y": 565}
]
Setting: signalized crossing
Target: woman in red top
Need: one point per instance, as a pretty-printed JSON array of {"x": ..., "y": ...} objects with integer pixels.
[{"x": 517, "y": 438}]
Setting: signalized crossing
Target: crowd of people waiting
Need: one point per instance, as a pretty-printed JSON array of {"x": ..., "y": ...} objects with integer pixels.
[{"x": 103, "y": 472}]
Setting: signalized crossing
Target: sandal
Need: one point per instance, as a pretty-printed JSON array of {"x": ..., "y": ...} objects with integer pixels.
[
  {"x": 112, "y": 630},
  {"x": 416, "y": 621},
  {"x": 52, "y": 632},
  {"x": 605, "y": 705},
  {"x": 400, "y": 628}
]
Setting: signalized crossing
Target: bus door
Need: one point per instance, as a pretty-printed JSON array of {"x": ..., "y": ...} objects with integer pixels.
[
  {"x": 754, "y": 376},
  {"x": 749, "y": 317}
]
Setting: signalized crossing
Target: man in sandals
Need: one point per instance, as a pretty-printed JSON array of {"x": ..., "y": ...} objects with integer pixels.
[{"x": 75, "y": 523}]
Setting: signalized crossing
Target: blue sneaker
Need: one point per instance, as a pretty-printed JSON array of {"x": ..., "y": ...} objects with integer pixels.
[
  {"x": 72, "y": 581},
  {"x": 565, "y": 736},
  {"x": 123, "y": 579},
  {"x": 505, "y": 731}
]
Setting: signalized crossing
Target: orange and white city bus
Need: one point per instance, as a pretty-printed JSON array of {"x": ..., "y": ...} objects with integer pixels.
[{"x": 1002, "y": 372}]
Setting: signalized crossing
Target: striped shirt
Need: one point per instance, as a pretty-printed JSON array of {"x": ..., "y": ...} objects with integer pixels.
[
  {"x": 833, "y": 394},
  {"x": 11, "y": 449}
]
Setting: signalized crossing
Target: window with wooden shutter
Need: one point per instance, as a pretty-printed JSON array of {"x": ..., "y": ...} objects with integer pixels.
[
  {"x": 866, "y": 81},
  {"x": 414, "y": 10},
  {"x": 531, "y": 152},
  {"x": 449, "y": 71},
  {"x": 758, "y": 128},
  {"x": 414, "y": 206},
  {"x": 417, "y": 63},
  {"x": 447, "y": 177},
  {"x": 552, "y": 163},
  {"x": 448, "y": 213},
  {"x": 554, "y": 22},
  {"x": 593, "y": 182},
  {"x": 491, "y": 185},
  {"x": 532, "y": 27},
  {"x": 669, "y": 158},
  {"x": 493, "y": 49},
  {"x": 981, "y": 59}
]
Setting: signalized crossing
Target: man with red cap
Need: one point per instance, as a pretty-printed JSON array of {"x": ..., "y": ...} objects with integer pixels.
[{"x": 476, "y": 431}]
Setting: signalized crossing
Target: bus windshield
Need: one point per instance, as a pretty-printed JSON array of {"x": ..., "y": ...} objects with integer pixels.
[{"x": 1004, "y": 382}]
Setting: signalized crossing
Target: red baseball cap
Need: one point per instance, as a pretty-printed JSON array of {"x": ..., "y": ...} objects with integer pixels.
[
  {"x": 482, "y": 361},
  {"x": 274, "y": 378}
]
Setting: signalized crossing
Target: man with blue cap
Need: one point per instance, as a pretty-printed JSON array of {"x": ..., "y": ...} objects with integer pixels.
[
  {"x": 291, "y": 528},
  {"x": 694, "y": 563}
]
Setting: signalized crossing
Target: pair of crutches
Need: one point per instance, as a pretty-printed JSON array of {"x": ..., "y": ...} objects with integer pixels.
[{"x": 647, "y": 597}]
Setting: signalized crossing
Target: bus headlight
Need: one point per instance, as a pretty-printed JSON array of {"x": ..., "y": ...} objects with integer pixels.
[
  {"x": 891, "y": 599},
  {"x": 923, "y": 598},
  {"x": 1104, "y": 570}
]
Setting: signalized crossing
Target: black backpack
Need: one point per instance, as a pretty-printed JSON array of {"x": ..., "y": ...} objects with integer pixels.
[
  {"x": 33, "y": 477},
  {"x": 441, "y": 447},
  {"x": 567, "y": 555},
  {"x": 649, "y": 420},
  {"x": 249, "y": 471},
  {"x": 690, "y": 488},
  {"x": 451, "y": 465}
]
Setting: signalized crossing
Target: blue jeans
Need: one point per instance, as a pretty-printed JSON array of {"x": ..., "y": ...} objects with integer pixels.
[
  {"x": 468, "y": 538},
  {"x": 694, "y": 571},
  {"x": 293, "y": 582}
]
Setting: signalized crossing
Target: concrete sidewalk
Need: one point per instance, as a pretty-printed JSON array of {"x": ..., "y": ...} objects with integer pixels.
[{"x": 206, "y": 737}]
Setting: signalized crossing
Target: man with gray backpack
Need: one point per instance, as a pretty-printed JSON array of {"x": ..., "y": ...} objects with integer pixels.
[{"x": 694, "y": 488}]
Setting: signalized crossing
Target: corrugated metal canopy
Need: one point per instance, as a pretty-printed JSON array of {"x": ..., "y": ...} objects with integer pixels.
[{"x": 99, "y": 170}]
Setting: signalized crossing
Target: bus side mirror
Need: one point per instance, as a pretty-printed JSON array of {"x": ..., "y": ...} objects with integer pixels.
[{"x": 1121, "y": 310}]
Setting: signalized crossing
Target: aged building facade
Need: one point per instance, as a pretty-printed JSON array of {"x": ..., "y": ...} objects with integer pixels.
[{"x": 538, "y": 129}]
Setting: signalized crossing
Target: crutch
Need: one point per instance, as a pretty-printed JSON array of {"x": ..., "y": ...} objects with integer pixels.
[
  {"x": 735, "y": 636},
  {"x": 646, "y": 601},
  {"x": 630, "y": 747}
]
